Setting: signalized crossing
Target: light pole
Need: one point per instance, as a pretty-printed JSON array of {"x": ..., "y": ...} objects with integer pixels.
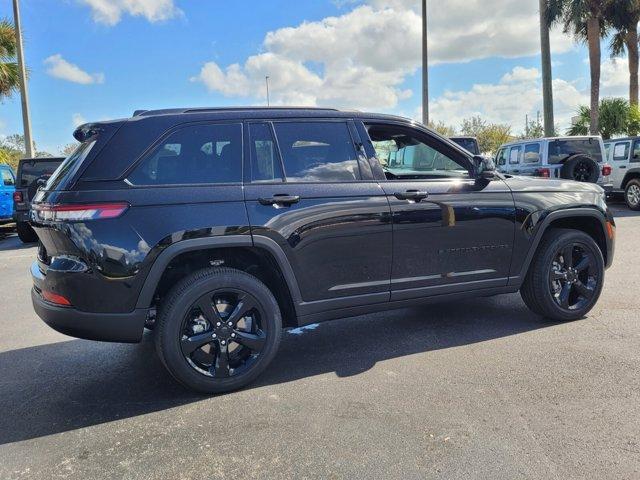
[
  {"x": 547, "y": 85},
  {"x": 24, "y": 93},
  {"x": 266, "y": 79},
  {"x": 425, "y": 66}
]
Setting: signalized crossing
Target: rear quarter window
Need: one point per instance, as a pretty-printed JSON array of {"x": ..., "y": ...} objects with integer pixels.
[{"x": 197, "y": 154}]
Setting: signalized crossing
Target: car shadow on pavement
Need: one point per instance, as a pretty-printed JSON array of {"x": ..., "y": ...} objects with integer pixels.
[{"x": 64, "y": 386}]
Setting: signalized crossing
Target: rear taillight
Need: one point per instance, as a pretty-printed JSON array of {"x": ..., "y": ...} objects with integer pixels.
[
  {"x": 606, "y": 170},
  {"x": 543, "y": 172},
  {"x": 79, "y": 212},
  {"x": 17, "y": 197}
]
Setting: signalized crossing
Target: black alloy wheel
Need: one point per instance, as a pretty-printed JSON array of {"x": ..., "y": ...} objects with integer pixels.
[
  {"x": 583, "y": 171},
  {"x": 218, "y": 329},
  {"x": 222, "y": 334},
  {"x": 566, "y": 276},
  {"x": 573, "y": 277}
]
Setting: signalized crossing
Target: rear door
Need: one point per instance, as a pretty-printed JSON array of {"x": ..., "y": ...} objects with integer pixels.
[
  {"x": 309, "y": 190},
  {"x": 619, "y": 155},
  {"x": 7, "y": 187},
  {"x": 451, "y": 232}
]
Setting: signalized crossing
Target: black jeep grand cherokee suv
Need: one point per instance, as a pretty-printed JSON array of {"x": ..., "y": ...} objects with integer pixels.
[{"x": 219, "y": 227}]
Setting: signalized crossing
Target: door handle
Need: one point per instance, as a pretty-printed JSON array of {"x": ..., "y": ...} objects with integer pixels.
[
  {"x": 415, "y": 195},
  {"x": 279, "y": 199},
  {"x": 623, "y": 166}
]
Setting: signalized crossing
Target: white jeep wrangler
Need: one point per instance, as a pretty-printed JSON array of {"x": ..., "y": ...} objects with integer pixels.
[{"x": 624, "y": 157}]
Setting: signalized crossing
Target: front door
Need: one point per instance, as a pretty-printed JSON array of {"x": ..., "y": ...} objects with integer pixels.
[
  {"x": 451, "y": 232},
  {"x": 621, "y": 151},
  {"x": 307, "y": 190}
]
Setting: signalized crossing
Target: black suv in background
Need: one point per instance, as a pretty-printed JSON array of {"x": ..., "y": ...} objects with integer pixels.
[
  {"x": 33, "y": 173},
  {"x": 220, "y": 227}
]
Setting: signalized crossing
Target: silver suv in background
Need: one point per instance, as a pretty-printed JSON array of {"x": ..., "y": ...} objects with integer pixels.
[
  {"x": 624, "y": 156},
  {"x": 572, "y": 158}
]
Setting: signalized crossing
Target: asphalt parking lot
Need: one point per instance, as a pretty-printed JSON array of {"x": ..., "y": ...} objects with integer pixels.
[{"x": 481, "y": 389}]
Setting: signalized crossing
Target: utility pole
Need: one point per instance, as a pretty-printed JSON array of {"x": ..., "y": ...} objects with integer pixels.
[
  {"x": 266, "y": 79},
  {"x": 24, "y": 92},
  {"x": 425, "y": 66},
  {"x": 547, "y": 86}
]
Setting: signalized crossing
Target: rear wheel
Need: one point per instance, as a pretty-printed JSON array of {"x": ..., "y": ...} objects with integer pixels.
[
  {"x": 565, "y": 279},
  {"x": 632, "y": 194},
  {"x": 26, "y": 234},
  {"x": 218, "y": 330}
]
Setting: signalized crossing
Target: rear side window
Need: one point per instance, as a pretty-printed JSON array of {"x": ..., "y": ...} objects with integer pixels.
[
  {"x": 621, "y": 151},
  {"x": 7, "y": 178},
  {"x": 532, "y": 153},
  {"x": 197, "y": 154},
  {"x": 317, "y": 152},
  {"x": 560, "y": 150}
]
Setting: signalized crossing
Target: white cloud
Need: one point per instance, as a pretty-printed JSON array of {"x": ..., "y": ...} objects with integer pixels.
[
  {"x": 77, "y": 119},
  {"x": 362, "y": 58},
  {"x": 110, "y": 12},
  {"x": 58, "y": 67},
  {"x": 517, "y": 94}
]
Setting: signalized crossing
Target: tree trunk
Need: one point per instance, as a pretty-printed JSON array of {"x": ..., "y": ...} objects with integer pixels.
[
  {"x": 593, "y": 39},
  {"x": 547, "y": 81},
  {"x": 632, "y": 48}
]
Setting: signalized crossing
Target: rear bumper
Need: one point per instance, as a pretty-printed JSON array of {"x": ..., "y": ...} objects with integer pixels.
[{"x": 106, "y": 327}]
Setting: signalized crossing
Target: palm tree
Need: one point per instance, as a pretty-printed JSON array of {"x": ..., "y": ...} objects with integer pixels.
[
  {"x": 624, "y": 16},
  {"x": 586, "y": 19},
  {"x": 9, "y": 72},
  {"x": 615, "y": 118}
]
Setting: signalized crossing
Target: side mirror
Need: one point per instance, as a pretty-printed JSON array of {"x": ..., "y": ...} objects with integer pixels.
[{"x": 484, "y": 167}]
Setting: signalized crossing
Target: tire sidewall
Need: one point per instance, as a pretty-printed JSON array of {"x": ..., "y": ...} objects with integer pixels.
[
  {"x": 183, "y": 296},
  {"x": 549, "y": 255},
  {"x": 626, "y": 196},
  {"x": 568, "y": 169}
]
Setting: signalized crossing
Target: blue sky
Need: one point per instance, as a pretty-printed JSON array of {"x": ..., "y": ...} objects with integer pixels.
[{"x": 98, "y": 59}]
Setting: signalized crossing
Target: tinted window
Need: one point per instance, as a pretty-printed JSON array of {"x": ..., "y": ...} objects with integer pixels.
[
  {"x": 7, "y": 177},
  {"x": 532, "y": 153},
  {"x": 70, "y": 165},
  {"x": 317, "y": 152},
  {"x": 621, "y": 151},
  {"x": 501, "y": 157},
  {"x": 636, "y": 152},
  {"x": 560, "y": 150},
  {"x": 33, "y": 170},
  {"x": 198, "y": 154},
  {"x": 514, "y": 155},
  {"x": 265, "y": 161},
  {"x": 403, "y": 154},
  {"x": 469, "y": 144}
]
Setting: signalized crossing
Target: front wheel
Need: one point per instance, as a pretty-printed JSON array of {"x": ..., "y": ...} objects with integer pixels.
[
  {"x": 632, "y": 194},
  {"x": 218, "y": 329},
  {"x": 565, "y": 279}
]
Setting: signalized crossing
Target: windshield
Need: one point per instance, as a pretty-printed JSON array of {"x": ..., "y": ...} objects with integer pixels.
[
  {"x": 70, "y": 166},
  {"x": 560, "y": 150}
]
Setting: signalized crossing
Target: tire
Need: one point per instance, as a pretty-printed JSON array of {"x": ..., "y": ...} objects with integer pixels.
[
  {"x": 26, "y": 233},
  {"x": 632, "y": 194},
  {"x": 546, "y": 286},
  {"x": 581, "y": 169},
  {"x": 197, "y": 345}
]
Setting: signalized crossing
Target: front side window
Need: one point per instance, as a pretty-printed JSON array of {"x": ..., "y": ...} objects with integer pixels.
[
  {"x": 561, "y": 150},
  {"x": 7, "y": 178},
  {"x": 636, "y": 152},
  {"x": 514, "y": 155},
  {"x": 404, "y": 154},
  {"x": 621, "y": 151},
  {"x": 197, "y": 154},
  {"x": 501, "y": 157},
  {"x": 532, "y": 153},
  {"x": 317, "y": 152}
]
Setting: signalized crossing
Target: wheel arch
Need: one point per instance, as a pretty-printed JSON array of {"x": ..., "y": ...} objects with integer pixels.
[
  {"x": 588, "y": 220},
  {"x": 630, "y": 175},
  {"x": 263, "y": 259}
]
